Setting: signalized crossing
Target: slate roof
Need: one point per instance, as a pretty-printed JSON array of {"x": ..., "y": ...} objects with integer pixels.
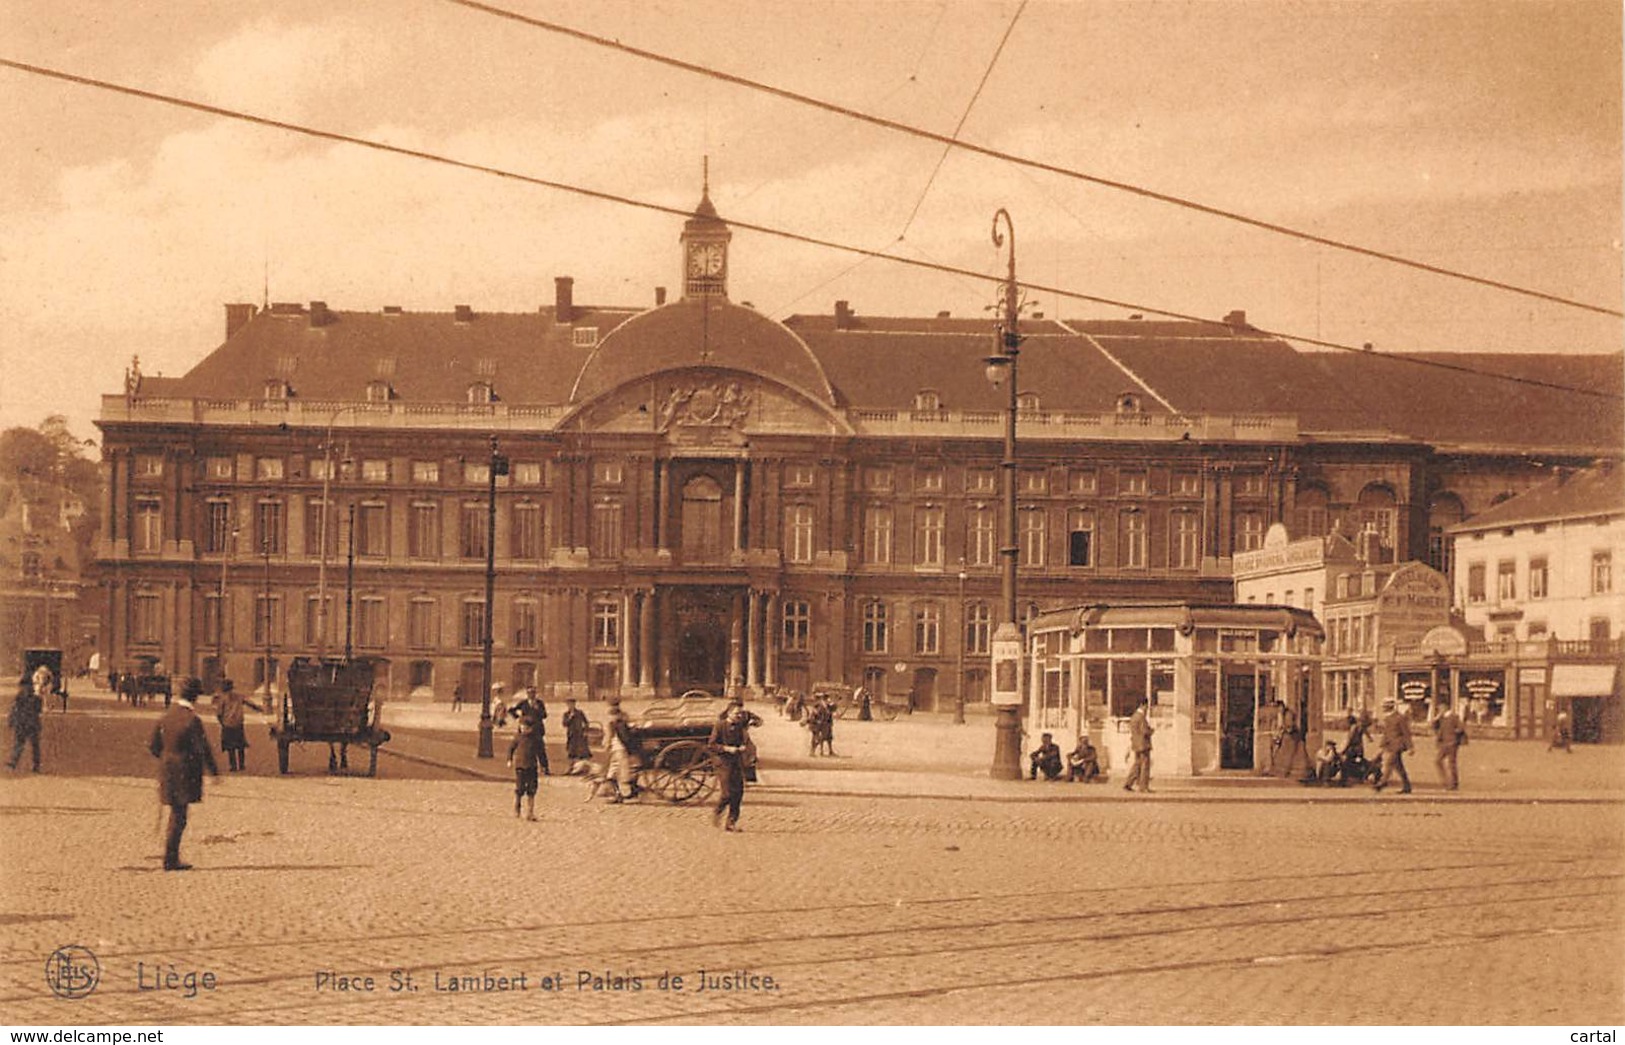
[{"x": 1566, "y": 495}]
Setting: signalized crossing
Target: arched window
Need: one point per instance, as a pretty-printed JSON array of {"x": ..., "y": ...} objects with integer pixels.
[
  {"x": 702, "y": 518},
  {"x": 1027, "y": 402},
  {"x": 480, "y": 392},
  {"x": 1378, "y": 511},
  {"x": 927, "y": 401},
  {"x": 1310, "y": 518}
]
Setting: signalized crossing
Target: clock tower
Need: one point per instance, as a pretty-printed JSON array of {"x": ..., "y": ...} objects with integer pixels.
[{"x": 705, "y": 249}]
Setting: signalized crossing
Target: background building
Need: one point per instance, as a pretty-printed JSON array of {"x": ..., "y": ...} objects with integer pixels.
[{"x": 702, "y": 496}]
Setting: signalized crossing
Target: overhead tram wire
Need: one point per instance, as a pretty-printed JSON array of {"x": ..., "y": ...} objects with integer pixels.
[
  {"x": 992, "y": 153},
  {"x": 766, "y": 230},
  {"x": 986, "y": 73}
]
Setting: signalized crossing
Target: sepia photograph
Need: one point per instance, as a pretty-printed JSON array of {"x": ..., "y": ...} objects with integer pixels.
[{"x": 809, "y": 513}]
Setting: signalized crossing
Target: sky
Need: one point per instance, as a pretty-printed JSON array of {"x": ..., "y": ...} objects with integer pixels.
[{"x": 1481, "y": 135}]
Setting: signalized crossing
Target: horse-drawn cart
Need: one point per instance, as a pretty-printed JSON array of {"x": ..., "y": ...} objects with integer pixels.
[{"x": 329, "y": 701}]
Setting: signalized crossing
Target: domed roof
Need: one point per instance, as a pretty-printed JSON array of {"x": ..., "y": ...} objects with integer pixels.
[{"x": 706, "y": 331}]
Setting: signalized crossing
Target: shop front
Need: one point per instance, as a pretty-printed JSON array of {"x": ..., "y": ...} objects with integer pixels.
[{"x": 1221, "y": 682}]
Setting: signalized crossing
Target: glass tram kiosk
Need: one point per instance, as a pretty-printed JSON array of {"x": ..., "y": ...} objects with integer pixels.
[{"x": 1220, "y": 680}]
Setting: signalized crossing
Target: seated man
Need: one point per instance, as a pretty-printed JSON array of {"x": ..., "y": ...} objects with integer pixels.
[
  {"x": 1327, "y": 762},
  {"x": 1046, "y": 758},
  {"x": 1083, "y": 764}
]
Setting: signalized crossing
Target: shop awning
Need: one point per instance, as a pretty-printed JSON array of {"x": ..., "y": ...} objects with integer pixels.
[{"x": 1583, "y": 680}]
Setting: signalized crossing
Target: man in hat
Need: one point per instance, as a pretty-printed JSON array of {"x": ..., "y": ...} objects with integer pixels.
[
  {"x": 182, "y": 750},
  {"x": 1396, "y": 743},
  {"x": 24, "y": 721},
  {"x": 1451, "y": 734},
  {"x": 531, "y": 711},
  {"x": 577, "y": 745},
  {"x": 1046, "y": 760},
  {"x": 729, "y": 742},
  {"x": 1139, "y": 734},
  {"x": 621, "y": 747}
]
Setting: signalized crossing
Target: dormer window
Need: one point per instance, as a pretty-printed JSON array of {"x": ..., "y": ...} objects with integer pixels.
[
  {"x": 379, "y": 391},
  {"x": 277, "y": 388},
  {"x": 480, "y": 392},
  {"x": 927, "y": 401},
  {"x": 1129, "y": 403},
  {"x": 1027, "y": 402},
  {"x": 584, "y": 337}
]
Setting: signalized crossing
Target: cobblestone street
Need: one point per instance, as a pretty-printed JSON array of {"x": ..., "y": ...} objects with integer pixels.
[{"x": 1228, "y": 906}]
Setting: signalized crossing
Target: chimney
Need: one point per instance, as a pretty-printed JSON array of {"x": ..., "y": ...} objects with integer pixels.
[
  {"x": 843, "y": 315},
  {"x": 1369, "y": 546},
  {"x": 944, "y": 314},
  {"x": 237, "y": 317},
  {"x": 464, "y": 313},
  {"x": 1237, "y": 318},
  {"x": 564, "y": 309},
  {"x": 1366, "y": 347},
  {"x": 319, "y": 316},
  {"x": 660, "y": 296},
  {"x": 392, "y": 310}
]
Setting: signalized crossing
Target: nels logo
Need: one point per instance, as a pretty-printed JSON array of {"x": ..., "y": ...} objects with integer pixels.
[{"x": 72, "y": 972}]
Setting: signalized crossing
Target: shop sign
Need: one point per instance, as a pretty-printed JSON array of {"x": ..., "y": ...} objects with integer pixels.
[
  {"x": 1481, "y": 685},
  {"x": 1415, "y": 686},
  {"x": 1414, "y": 595}
]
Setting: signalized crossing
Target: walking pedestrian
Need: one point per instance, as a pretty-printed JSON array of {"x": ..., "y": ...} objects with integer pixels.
[
  {"x": 621, "y": 749},
  {"x": 499, "y": 705},
  {"x": 728, "y": 741},
  {"x": 1396, "y": 744},
  {"x": 577, "y": 746},
  {"x": 1562, "y": 735},
  {"x": 1139, "y": 738},
  {"x": 1451, "y": 734},
  {"x": 229, "y": 708},
  {"x": 24, "y": 721},
  {"x": 531, "y": 712},
  {"x": 457, "y": 697},
  {"x": 182, "y": 750},
  {"x": 522, "y": 757}
]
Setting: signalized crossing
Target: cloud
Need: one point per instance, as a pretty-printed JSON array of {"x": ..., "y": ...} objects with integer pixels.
[{"x": 273, "y": 67}]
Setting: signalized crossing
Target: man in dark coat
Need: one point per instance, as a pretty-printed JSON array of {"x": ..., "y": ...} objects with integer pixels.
[
  {"x": 523, "y": 757},
  {"x": 577, "y": 744},
  {"x": 1046, "y": 760},
  {"x": 1451, "y": 735},
  {"x": 1139, "y": 733},
  {"x": 1396, "y": 744},
  {"x": 24, "y": 721},
  {"x": 182, "y": 750},
  {"x": 530, "y": 711},
  {"x": 729, "y": 738}
]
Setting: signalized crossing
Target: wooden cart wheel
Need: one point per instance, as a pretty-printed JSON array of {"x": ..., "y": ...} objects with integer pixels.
[
  {"x": 282, "y": 755},
  {"x": 685, "y": 771}
]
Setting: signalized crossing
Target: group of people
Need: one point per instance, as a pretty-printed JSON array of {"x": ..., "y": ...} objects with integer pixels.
[
  {"x": 1350, "y": 764},
  {"x": 1082, "y": 763}
]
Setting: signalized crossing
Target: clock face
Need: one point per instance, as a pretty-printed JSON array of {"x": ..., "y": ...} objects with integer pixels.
[{"x": 705, "y": 260}]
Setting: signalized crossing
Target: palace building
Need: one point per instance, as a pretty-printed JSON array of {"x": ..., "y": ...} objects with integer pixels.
[{"x": 698, "y": 495}]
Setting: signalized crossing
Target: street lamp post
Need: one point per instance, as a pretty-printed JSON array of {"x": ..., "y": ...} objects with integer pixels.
[
  {"x": 964, "y": 634},
  {"x": 322, "y": 536},
  {"x": 1005, "y": 691},
  {"x": 498, "y": 466},
  {"x": 265, "y": 549},
  {"x": 228, "y": 538}
]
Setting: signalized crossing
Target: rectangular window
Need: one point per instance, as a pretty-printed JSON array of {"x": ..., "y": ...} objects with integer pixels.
[
  {"x": 269, "y": 468},
  {"x": 1599, "y": 629},
  {"x": 423, "y": 530},
  {"x": 1602, "y": 573},
  {"x": 267, "y": 620},
  {"x": 527, "y": 473},
  {"x": 1132, "y": 483},
  {"x": 527, "y": 531},
  {"x": 148, "y": 535},
  {"x": 608, "y": 473},
  {"x": 1249, "y": 531},
  {"x": 978, "y": 627},
  {"x": 797, "y": 626},
  {"x": 606, "y": 531},
  {"x": 372, "y": 530},
  {"x": 928, "y": 524},
  {"x": 146, "y": 617},
  {"x": 981, "y": 480},
  {"x": 268, "y": 534},
  {"x": 527, "y": 625},
  {"x": 877, "y": 535},
  {"x": 876, "y": 633},
  {"x": 476, "y": 472},
  {"x": 1537, "y": 630},
  {"x": 1083, "y": 480},
  {"x": 1034, "y": 536},
  {"x": 606, "y": 625},
  {"x": 1034, "y": 480},
  {"x": 425, "y": 472},
  {"x": 877, "y": 479},
  {"x": 1475, "y": 583},
  {"x": 798, "y": 538},
  {"x": 1250, "y": 485},
  {"x": 471, "y": 635},
  {"x": 1131, "y": 539},
  {"x": 313, "y": 621},
  {"x": 149, "y": 466},
  {"x": 799, "y": 475},
  {"x": 928, "y": 629},
  {"x": 321, "y": 468},
  {"x": 471, "y": 531},
  {"x": 929, "y": 479},
  {"x": 220, "y": 468},
  {"x": 1506, "y": 581},
  {"x": 981, "y": 539},
  {"x": 1080, "y": 544},
  {"x": 422, "y": 623},
  {"x": 1537, "y": 578},
  {"x": 313, "y": 529},
  {"x": 371, "y": 622},
  {"x": 375, "y": 471},
  {"x": 1187, "y": 484},
  {"x": 1187, "y": 540},
  {"x": 211, "y": 619}
]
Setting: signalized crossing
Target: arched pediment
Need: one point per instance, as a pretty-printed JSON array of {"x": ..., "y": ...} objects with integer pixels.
[{"x": 706, "y": 406}]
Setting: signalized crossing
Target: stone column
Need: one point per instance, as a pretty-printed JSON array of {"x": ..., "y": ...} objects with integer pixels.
[
  {"x": 626, "y": 640},
  {"x": 736, "y": 621},
  {"x": 646, "y": 641},
  {"x": 739, "y": 505},
  {"x": 661, "y": 474},
  {"x": 753, "y": 637},
  {"x": 770, "y": 640}
]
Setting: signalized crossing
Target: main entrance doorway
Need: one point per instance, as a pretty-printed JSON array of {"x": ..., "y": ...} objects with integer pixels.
[
  {"x": 700, "y": 656},
  {"x": 1240, "y": 703}
]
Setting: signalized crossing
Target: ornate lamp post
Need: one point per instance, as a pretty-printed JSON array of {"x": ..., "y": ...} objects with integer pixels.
[
  {"x": 1005, "y": 693},
  {"x": 498, "y": 466},
  {"x": 964, "y": 633}
]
